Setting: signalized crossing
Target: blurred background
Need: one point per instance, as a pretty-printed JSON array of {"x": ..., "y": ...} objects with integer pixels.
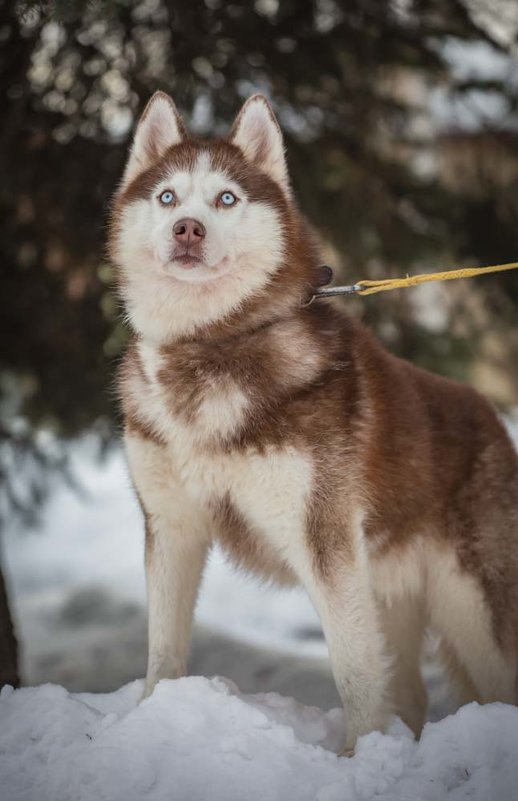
[{"x": 401, "y": 126}]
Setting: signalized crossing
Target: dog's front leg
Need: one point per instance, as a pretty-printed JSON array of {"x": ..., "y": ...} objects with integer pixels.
[
  {"x": 175, "y": 556},
  {"x": 175, "y": 552},
  {"x": 343, "y": 598}
]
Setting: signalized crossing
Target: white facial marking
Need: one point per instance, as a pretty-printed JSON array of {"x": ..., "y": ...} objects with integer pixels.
[
  {"x": 241, "y": 249},
  {"x": 196, "y": 194}
]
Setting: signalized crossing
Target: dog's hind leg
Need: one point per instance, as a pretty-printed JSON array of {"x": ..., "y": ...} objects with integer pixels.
[
  {"x": 403, "y": 623},
  {"x": 464, "y": 690},
  {"x": 460, "y": 613}
]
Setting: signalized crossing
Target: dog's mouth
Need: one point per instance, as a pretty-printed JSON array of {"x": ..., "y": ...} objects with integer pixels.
[
  {"x": 187, "y": 260},
  {"x": 192, "y": 268}
]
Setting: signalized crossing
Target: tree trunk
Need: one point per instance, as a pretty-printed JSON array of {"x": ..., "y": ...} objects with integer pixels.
[{"x": 8, "y": 644}]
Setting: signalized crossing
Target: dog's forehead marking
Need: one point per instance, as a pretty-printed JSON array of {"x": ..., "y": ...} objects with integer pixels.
[{"x": 203, "y": 179}]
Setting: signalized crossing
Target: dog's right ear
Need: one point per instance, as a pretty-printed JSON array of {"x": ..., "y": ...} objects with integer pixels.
[{"x": 159, "y": 128}]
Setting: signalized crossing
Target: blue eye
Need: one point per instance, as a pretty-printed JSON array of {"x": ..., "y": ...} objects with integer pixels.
[
  {"x": 167, "y": 197},
  {"x": 227, "y": 199}
]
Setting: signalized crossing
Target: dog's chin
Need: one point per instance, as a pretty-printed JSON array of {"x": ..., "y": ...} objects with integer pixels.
[{"x": 196, "y": 271}]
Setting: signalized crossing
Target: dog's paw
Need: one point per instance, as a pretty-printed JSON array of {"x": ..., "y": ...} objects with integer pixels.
[{"x": 149, "y": 686}]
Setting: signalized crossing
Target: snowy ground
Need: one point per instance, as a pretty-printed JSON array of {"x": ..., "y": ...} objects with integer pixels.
[
  {"x": 78, "y": 594},
  {"x": 199, "y": 739}
]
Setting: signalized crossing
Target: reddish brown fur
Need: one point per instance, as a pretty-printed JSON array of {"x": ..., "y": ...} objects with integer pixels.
[{"x": 422, "y": 454}]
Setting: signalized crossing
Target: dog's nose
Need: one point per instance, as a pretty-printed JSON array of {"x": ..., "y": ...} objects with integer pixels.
[{"x": 188, "y": 230}]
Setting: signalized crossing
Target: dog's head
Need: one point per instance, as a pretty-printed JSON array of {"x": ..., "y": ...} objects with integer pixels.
[{"x": 205, "y": 231}]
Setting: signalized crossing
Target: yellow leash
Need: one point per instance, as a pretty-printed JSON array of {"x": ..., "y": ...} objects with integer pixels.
[{"x": 367, "y": 287}]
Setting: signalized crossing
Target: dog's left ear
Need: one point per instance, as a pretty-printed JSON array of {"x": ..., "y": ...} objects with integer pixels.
[
  {"x": 257, "y": 134},
  {"x": 159, "y": 128}
]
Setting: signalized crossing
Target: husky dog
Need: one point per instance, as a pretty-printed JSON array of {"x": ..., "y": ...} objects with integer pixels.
[{"x": 285, "y": 432}]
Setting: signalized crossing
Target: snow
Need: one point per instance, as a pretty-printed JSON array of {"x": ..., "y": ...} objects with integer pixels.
[{"x": 198, "y": 738}]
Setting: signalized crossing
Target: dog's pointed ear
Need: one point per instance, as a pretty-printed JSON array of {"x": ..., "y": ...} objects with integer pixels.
[
  {"x": 257, "y": 134},
  {"x": 159, "y": 128}
]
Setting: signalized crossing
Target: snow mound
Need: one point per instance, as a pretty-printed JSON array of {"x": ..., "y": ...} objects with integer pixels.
[{"x": 197, "y": 739}]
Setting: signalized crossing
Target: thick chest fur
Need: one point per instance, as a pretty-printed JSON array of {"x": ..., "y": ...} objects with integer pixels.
[{"x": 256, "y": 496}]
